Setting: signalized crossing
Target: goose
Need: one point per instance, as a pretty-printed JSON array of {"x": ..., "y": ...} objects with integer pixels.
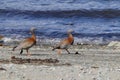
[
  {"x": 27, "y": 43},
  {"x": 65, "y": 43}
]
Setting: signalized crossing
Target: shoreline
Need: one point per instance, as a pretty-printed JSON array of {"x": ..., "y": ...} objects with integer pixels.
[{"x": 94, "y": 62}]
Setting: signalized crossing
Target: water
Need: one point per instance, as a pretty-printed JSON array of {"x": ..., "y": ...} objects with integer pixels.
[{"x": 93, "y": 21}]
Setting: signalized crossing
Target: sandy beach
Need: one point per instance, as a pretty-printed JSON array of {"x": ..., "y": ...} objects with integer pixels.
[
  {"x": 90, "y": 27},
  {"x": 94, "y": 62}
]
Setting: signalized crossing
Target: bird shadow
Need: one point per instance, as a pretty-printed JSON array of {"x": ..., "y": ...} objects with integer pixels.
[
  {"x": 34, "y": 54},
  {"x": 49, "y": 54}
]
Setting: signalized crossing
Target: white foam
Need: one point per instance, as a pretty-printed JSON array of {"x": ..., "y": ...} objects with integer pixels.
[{"x": 5, "y": 39}]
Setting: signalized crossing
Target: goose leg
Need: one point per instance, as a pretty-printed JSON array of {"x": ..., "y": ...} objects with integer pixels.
[
  {"x": 14, "y": 48},
  {"x": 28, "y": 54},
  {"x": 21, "y": 51},
  {"x": 59, "y": 51},
  {"x": 67, "y": 51}
]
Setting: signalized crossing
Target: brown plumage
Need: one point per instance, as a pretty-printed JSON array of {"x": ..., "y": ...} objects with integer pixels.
[
  {"x": 64, "y": 44},
  {"x": 27, "y": 43}
]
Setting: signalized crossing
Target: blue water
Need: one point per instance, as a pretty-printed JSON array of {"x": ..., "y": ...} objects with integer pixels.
[{"x": 92, "y": 20}]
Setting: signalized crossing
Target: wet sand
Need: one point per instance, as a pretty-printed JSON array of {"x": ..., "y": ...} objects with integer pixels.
[{"x": 94, "y": 62}]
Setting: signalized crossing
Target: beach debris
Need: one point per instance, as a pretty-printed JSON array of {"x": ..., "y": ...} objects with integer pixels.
[
  {"x": 67, "y": 64},
  {"x": 94, "y": 78},
  {"x": 27, "y": 43},
  {"x": 48, "y": 62},
  {"x": 76, "y": 52},
  {"x": 1, "y": 40},
  {"x": 95, "y": 67},
  {"x": 4, "y": 61},
  {"x": 1, "y": 37},
  {"x": 114, "y": 44},
  {"x": 3, "y": 69},
  {"x": 16, "y": 60},
  {"x": 81, "y": 68},
  {"x": 65, "y": 43}
]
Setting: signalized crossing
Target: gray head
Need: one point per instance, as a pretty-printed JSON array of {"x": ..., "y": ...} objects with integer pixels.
[
  {"x": 70, "y": 31},
  {"x": 32, "y": 29}
]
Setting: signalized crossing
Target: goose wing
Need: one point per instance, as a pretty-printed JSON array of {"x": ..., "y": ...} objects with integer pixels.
[{"x": 27, "y": 43}]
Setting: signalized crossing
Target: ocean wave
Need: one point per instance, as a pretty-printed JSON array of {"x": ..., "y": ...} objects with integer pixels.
[
  {"x": 52, "y": 34},
  {"x": 53, "y": 18},
  {"x": 102, "y": 13},
  {"x": 104, "y": 35},
  {"x": 42, "y": 33},
  {"x": 46, "y": 5},
  {"x": 53, "y": 41}
]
